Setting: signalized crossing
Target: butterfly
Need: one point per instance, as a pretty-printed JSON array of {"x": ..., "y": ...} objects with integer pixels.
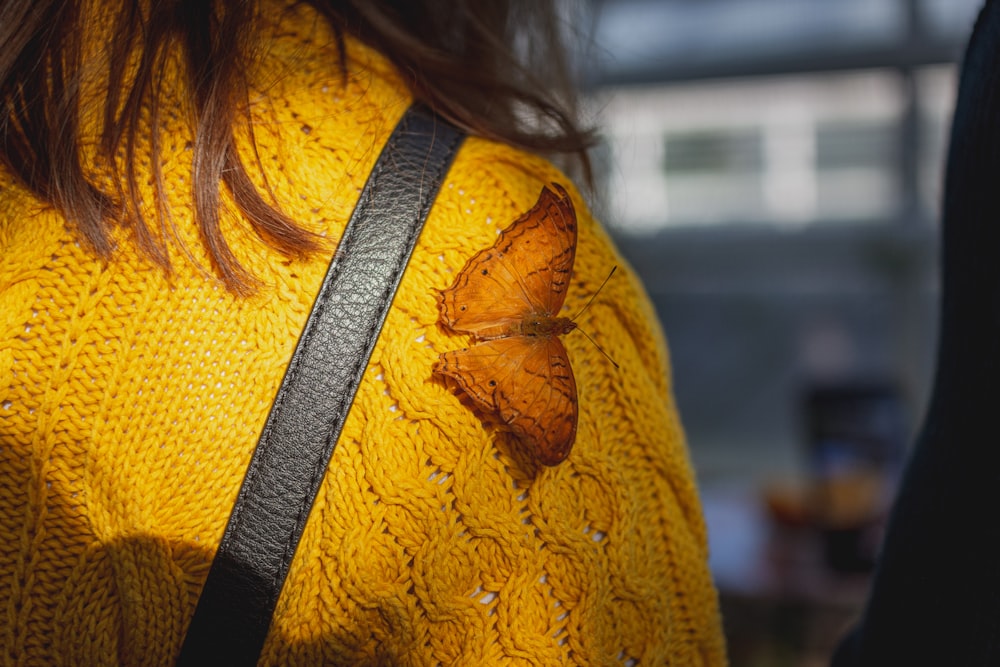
[{"x": 508, "y": 297}]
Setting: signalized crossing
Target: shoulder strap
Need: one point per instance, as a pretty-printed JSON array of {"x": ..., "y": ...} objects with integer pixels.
[{"x": 234, "y": 611}]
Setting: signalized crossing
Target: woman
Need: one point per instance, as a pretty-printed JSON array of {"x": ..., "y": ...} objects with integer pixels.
[{"x": 176, "y": 177}]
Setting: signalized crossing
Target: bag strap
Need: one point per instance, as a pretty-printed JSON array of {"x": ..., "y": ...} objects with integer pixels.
[{"x": 234, "y": 611}]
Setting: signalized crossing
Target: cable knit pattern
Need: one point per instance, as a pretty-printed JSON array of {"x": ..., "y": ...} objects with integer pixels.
[{"x": 131, "y": 400}]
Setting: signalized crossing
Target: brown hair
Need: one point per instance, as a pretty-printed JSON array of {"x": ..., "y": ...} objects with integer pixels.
[{"x": 497, "y": 69}]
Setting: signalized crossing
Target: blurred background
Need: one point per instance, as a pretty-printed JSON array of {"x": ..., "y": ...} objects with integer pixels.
[{"x": 772, "y": 169}]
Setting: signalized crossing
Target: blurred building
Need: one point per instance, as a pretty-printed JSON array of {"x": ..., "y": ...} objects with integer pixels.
[{"x": 772, "y": 168}]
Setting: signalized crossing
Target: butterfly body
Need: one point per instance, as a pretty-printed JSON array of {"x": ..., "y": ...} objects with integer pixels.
[
  {"x": 507, "y": 298},
  {"x": 544, "y": 326},
  {"x": 538, "y": 325}
]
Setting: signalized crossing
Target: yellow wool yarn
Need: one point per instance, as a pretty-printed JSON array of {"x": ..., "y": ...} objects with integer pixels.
[{"x": 131, "y": 401}]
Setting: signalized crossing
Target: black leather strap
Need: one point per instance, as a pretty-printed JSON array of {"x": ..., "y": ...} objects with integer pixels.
[{"x": 235, "y": 608}]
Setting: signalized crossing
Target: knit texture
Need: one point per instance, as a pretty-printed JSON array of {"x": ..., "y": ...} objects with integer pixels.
[{"x": 131, "y": 401}]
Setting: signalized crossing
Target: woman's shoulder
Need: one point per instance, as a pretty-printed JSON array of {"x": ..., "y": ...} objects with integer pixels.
[{"x": 627, "y": 478}]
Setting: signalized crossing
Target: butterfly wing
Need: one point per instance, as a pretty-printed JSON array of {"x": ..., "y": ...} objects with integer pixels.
[
  {"x": 528, "y": 381},
  {"x": 526, "y": 272}
]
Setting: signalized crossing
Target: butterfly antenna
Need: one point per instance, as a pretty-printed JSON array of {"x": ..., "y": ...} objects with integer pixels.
[
  {"x": 584, "y": 309},
  {"x": 600, "y": 349}
]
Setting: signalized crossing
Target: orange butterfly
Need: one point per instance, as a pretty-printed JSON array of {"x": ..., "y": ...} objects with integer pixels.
[{"x": 507, "y": 297}]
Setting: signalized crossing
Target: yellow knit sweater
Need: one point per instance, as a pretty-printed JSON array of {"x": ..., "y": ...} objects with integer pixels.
[{"x": 131, "y": 401}]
